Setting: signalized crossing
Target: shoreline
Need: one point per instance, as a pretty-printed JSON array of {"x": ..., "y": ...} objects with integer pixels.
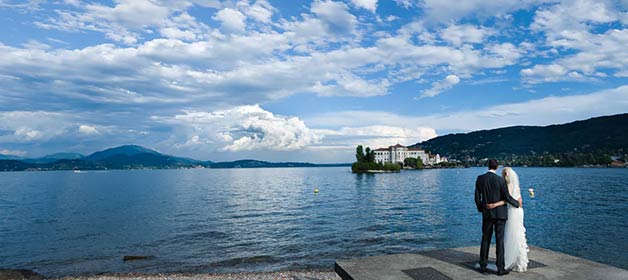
[{"x": 286, "y": 274}]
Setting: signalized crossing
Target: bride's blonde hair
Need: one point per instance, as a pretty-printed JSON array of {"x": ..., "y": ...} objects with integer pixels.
[{"x": 505, "y": 174}]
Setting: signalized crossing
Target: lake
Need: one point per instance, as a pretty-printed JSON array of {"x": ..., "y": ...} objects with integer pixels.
[{"x": 229, "y": 220}]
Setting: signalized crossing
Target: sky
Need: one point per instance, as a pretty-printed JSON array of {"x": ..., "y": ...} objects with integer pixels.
[{"x": 299, "y": 80}]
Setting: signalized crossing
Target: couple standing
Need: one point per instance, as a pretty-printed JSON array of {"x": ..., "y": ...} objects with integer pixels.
[{"x": 492, "y": 192}]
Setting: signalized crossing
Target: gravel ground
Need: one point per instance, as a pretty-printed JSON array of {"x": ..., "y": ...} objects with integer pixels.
[{"x": 288, "y": 275}]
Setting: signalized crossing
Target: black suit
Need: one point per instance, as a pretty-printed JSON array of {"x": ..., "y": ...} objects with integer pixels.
[{"x": 491, "y": 188}]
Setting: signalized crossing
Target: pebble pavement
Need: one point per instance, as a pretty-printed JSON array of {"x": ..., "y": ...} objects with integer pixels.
[{"x": 288, "y": 275}]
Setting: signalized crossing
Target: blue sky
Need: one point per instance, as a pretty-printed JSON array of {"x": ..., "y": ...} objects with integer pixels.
[{"x": 299, "y": 80}]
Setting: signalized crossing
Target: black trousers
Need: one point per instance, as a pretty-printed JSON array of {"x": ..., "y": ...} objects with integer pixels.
[{"x": 487, "y": 235}]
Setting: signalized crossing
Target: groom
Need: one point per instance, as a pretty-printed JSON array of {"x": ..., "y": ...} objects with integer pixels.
[{"x": 490, "y": 188}]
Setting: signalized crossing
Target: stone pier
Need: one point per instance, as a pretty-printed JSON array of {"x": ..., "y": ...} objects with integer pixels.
[{"x": 462, "y": 263}]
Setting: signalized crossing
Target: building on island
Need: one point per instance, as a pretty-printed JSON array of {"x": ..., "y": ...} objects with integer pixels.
[{"x": 398, "y": 153}]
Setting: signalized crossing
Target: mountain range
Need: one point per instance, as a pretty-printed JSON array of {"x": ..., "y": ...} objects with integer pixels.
[
  {"x": 131, "y": 157},
  {"x": 594, "y": 141}
]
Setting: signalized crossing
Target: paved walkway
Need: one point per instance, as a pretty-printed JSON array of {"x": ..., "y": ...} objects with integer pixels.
[{"x": 461, "y": 263}]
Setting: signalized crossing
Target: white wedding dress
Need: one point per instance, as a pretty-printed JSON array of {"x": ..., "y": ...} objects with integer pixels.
[{"x": 515, "y": 244}]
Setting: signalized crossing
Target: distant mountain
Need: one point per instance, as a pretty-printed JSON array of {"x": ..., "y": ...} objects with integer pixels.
[
  {"x": 122, "y": 157},
  {"x": 590, "y": 141},
  {"x": 132, "y": 157},
  {"x": 55, "y": 157},
  {"x": 9, "y": 157},
  {"x": 125, "y": 150}
]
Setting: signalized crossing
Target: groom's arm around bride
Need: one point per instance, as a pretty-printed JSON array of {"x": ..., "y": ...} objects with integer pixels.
[{"x": 492, "y": 188}]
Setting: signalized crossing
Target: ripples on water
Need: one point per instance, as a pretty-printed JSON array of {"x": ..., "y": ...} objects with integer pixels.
[{"x": 229, "y": 220}]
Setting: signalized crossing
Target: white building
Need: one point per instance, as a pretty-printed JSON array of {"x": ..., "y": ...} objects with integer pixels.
[{"x": 399, "y": 153}]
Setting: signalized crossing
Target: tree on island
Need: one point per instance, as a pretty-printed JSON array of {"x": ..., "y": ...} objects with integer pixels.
[
  {"x": 366, "y": 162},
  {"x": 359, "y": 154},
  {"x": 416, "y": 163}
]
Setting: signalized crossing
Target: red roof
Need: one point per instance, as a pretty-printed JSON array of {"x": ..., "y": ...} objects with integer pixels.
[
  {"x": 382, "y": 149},
  {"x": 398, "y": 146}
]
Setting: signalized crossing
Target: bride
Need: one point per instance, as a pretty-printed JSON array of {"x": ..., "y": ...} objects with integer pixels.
[{"x": 515, "y": 245}]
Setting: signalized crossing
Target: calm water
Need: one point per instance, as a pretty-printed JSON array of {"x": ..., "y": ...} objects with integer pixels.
[{"x": 62, "y": 223}]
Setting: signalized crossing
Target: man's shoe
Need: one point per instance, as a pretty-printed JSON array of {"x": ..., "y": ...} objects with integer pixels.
[
  {"x": 483, "y": 270},
  {"x": 503, "y": 272}
]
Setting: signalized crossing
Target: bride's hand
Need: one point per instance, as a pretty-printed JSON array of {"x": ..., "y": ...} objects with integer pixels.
[
  {"x": 490, "y": 206},
  {"x": 520, "y": 203}
]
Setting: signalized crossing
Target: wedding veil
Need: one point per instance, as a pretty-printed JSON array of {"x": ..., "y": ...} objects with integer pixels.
[{"x": 514, "y": 180}]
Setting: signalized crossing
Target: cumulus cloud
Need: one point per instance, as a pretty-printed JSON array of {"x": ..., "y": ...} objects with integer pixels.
[
  {"x": 192, "y": 66},
  {"x": 127, "y": 20},
  {"x": 407, "y": 3},
  {"x": 29, "y": 126},
  {"x": 261, "y": 11},
  {"x": 231, "y": 20},
  {"x": 88, "y": 130},
  {"x": 465, "y": 33},
  {"x": 440, "y": 86},
  {"x": 370, "y": 5},
  {"x": 570, "y": 27},
  {"x": 448, "y": 10},
  {"x": 335, "y": 16},
  {"x": 244, "y": 128}
]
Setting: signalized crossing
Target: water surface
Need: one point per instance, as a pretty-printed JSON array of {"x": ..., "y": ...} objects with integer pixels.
[{"x": 229, "y": 220}]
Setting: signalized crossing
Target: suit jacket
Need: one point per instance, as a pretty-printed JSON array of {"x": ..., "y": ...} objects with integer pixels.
[{"x": 491, "y": 188}]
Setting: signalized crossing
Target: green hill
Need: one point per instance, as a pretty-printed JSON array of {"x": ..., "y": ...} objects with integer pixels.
[
  {"x": 591, "y": 141},
  {"x": 133, "y": 157}
]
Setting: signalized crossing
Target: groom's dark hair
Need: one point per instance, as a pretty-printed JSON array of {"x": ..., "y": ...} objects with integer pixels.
[{"x": 492, "y": 164}]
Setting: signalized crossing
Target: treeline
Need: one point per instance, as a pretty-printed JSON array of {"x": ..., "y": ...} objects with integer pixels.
[
  {"x": 365, "y": 162},
  {"x": 558, "y": 159},
  {"x": 593, "y": 142}
]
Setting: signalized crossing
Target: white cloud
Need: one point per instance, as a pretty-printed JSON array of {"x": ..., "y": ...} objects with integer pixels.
[
  {"x": 543, "y": 111},
  {"x": 550, "y": 73},
  {"x": 465, "y": 33},
  {"x": 440, "y": 86},
  {"x": 193, "y": 68},
  {"x": 370, "y": 5},
  {"x": 244, "y": 128},
  {"x": 127, "y": 20},
  {"x": 231, "y": 20},
  {"x": 88, "y": 130},
  {"x": 374, "y": 136},
  {"x": 407, "y": 3},
  {"x": 17, "y": 153},
  {"x": 31, "y": 126},
  {"x": 335, "y": 16},
  {"x": 176, "y": 33},
  {"x": 28, "y": 134},
  {"x": 261, "y": 11},
  {"x": 584, "y": 52},
  {"x": 452, "y": 10}
]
